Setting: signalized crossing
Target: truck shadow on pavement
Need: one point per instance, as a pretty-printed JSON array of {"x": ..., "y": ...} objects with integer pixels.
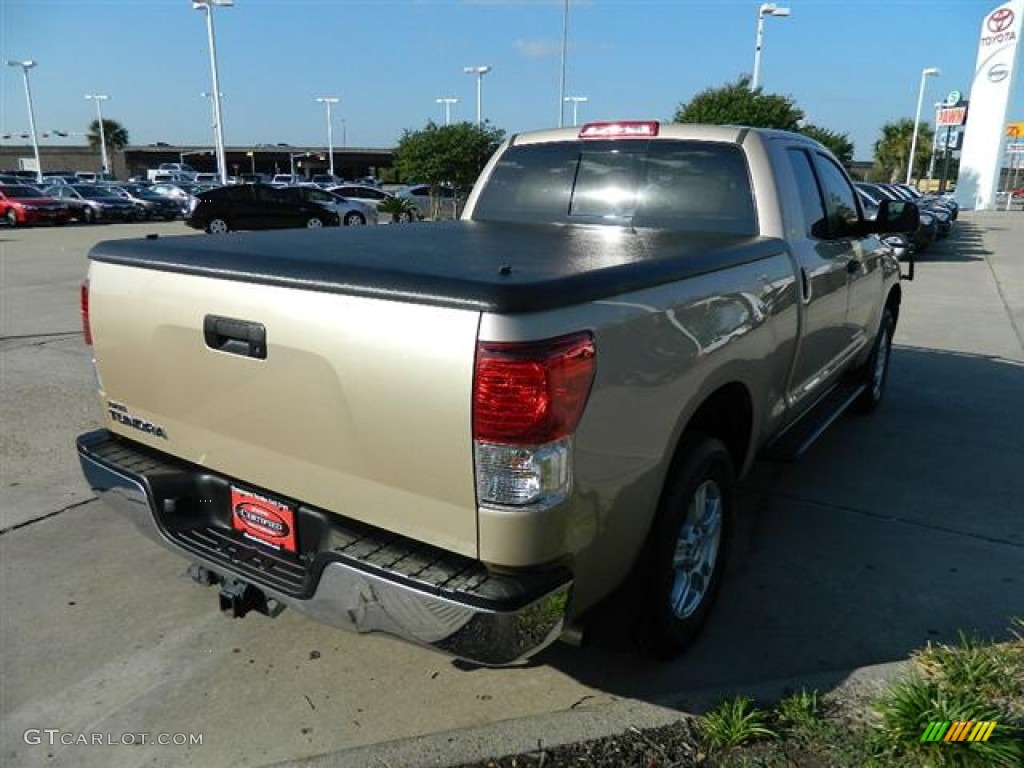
[
  {"x": 965, "y": 243},
  {"x": 895, "y": 529}
]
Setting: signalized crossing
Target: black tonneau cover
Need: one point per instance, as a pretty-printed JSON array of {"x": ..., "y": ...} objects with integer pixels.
[{"x": 485, "y": 266}]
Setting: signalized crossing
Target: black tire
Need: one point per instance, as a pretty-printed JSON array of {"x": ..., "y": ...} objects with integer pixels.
[
  {"x": 875, "y": 372},
  {"x": 354, "y": 219},
  {"x": 218, "y": 227},
  {"x": 88, "y": 215},
  {"x": 684, "y": 562},
  {"x": 314, "y": 222},
  {"x": 11, "y": 218},
  {"x": 406, "y": 217}
]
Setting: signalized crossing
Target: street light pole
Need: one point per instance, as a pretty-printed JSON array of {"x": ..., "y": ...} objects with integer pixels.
[
  {"x": 925, "y": 74},
  {"x": 479, "y": 72},
  {"x": 561, "y": 83},
  {"x": 576, "y": 101},
  {"x": 218, "y": 147},
  {"x": 766, "y": 9},
  {"x": 328, "y": 100},
  {"x": 447, "y": 101},
  {"x": 26, "y": 65},
  {"x": 207, "y": 5},
  {"x": 935, "y": 143},
  {"x": 99, "y": 97}
]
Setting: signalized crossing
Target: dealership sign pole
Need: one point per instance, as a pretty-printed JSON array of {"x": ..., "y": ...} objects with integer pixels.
[{"x": 994, "y": 74}]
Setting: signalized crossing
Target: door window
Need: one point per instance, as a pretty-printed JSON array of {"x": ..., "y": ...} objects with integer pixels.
[
  {"x": 811, "y": 206},
  {"x": 840, "y": 200}
]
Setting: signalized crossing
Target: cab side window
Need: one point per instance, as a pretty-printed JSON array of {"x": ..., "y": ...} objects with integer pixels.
[
  {"x": 840, "y": 200},
  {"x": 811, "y": 205}
]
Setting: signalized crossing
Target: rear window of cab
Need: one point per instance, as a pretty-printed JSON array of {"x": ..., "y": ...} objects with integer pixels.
[{"x": 664, "y": 184}]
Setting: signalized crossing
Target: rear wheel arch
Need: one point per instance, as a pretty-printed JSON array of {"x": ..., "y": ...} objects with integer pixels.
[{"x": 726, "y": 414}]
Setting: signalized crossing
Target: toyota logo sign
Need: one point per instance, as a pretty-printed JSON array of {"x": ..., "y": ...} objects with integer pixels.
[
  {"x": 1000, "y": 21},
  {"x": 999, "y": 25}
]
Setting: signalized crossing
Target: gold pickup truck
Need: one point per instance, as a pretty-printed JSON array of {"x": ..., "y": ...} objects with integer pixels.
[{"x": 468, "y": 434}]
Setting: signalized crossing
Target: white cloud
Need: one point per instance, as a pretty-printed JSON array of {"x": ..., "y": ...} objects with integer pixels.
[
  {"x": 538, "y": 49},
  {"x": 546, "y": 49}
]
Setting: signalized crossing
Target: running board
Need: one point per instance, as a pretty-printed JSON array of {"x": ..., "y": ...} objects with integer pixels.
[{"x": 799, "y": 436}]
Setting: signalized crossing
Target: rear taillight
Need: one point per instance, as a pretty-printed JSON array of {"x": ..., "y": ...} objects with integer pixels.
[
  {"x": 528, "y": 399},
  {"x": 531, "y": 393},
  {"x": 84, "y": 308}
]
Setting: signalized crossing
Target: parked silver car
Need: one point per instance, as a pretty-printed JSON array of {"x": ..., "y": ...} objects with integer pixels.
[
  {"x": 449, "y": 201},
  {"x": 364, "y": 193},
  {"x": 352, "y": 213}
]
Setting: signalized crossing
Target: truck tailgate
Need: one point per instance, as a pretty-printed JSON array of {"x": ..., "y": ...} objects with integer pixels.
[{"x": 361, "y": 406}]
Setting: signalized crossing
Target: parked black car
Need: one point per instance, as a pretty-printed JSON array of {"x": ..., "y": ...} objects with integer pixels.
[
  {"x": 256, "y": 206},
  {"x": 99, "y": 203},
  {"x": 154, "y": 206}
]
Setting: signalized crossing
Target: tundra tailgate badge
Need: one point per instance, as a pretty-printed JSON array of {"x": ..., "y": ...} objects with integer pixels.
[{"x": 119, "y": 413}]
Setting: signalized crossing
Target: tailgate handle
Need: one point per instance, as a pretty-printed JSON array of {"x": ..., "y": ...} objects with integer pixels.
[{"x": 236, "y": 337}]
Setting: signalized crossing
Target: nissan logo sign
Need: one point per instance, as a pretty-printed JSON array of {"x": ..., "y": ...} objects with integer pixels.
[{"x": 998, "y": 73}]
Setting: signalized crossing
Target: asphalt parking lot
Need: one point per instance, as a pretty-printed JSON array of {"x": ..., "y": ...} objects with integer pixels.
[{"x": 896, "y": 529}]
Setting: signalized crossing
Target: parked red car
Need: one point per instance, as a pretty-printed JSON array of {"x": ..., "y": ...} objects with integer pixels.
[{"x": 21, "y": 204}]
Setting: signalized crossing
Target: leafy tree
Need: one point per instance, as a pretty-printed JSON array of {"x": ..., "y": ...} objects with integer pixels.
[
  {"x": 738, "y": 104},
  {"x": 116, "y": 135},
  {"x": 838, "y": 144},
  {"x": 448, "y": 154},
  {"x": 892, "y": 150}
]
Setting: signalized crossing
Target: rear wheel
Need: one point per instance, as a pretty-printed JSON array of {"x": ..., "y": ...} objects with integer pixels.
[
  {"x": 11, "y": 218},
  {"x": 354, "y": 219},
  {"x": 88, "y": 215},
  {"x": 218, "y": 227},
  {"x": 875, "y": 372},
  {"x": 684, "y": 562},
  {"x": 314, "y": 222}
]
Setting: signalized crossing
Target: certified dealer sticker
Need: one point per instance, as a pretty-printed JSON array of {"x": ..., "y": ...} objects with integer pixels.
[{"x": 264, "y": 520}]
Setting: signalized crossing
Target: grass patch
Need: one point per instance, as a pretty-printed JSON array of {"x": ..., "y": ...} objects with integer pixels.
[
  {"x": 970, "y": 680},
  {"x": 733, "y": 723},
  {"x": 800, "y": 711}
]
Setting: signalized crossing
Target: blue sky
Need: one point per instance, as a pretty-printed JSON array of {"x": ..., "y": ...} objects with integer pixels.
[{"x": 851, "y": 66}]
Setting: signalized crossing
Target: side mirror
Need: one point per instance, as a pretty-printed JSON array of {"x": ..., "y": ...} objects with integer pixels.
[{"x": 896, "y": 216}]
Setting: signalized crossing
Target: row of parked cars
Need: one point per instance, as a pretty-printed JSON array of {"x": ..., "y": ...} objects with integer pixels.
[
  {"x": 937, "y": 214},
  {"x": 283, "y": 201},
  {"x": 63, "y": 198}
]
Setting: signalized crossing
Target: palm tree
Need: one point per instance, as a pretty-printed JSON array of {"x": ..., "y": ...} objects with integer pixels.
[
  {"x": 892, "y": 151},
  {"x": 116, "y": 136}
]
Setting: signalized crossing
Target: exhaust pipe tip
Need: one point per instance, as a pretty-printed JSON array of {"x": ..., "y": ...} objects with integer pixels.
[{"x": 574, "y": 634}]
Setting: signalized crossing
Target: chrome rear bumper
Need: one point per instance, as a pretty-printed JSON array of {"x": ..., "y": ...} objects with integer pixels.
[{"x": 347, "y": 594}]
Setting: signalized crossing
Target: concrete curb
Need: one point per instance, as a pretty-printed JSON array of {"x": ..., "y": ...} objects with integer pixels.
[{"x": 529, "y": 734}]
